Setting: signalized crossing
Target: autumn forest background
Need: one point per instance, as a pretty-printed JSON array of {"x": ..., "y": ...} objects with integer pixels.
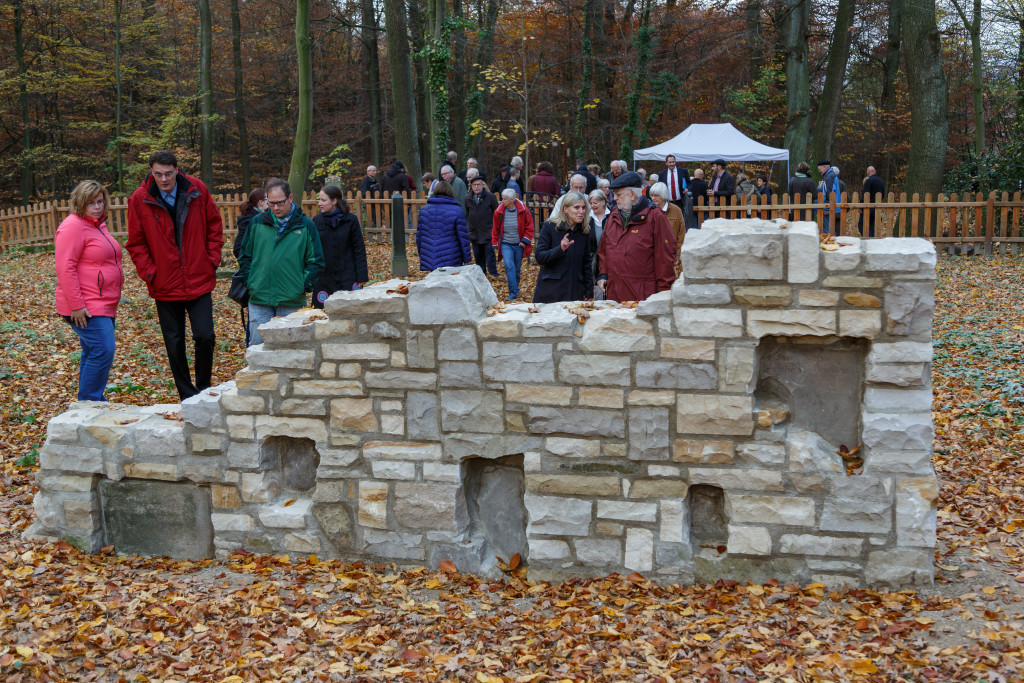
[{"x": 89, "y": 88}]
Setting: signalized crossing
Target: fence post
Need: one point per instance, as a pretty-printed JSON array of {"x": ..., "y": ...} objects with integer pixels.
[
  {"x": 399, "y": 261},
  {"x": 990, "y": 222}
]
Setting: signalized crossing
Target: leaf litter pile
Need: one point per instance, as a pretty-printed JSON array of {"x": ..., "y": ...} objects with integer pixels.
[{"x": 67, "y": 615}]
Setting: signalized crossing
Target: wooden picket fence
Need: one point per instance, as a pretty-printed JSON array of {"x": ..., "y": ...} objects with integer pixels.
[{"x": 989, "y": 224}]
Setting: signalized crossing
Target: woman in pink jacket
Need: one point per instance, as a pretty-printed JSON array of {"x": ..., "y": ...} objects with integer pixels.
[{"x": 89, "y": 279}]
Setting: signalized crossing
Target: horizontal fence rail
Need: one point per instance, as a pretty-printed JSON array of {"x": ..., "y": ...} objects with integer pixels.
[{"x": 985, "y": 222}]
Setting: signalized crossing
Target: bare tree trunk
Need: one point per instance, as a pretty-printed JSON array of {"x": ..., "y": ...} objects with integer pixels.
[
  {"x": 437, "y": 119},
  {"x": 399, "y": 61},
  {"x": 372, "y": 45},
  {"x": 243, "y": 134},
  {"x": 642, "y": 41},
  {"x": 303, "y": 126},
  {"x": 420, "y": 70},
  {"x": 477, "y": 95},
  {"x": 798, "y": 99},
  {"x": 583, "y": 92},
  {"x": 118, "y": 160},
  {"x": 835, "y": 75},
  {"x": 604, "y": 15},
  {"x": 973, "y": 27},
  {"x": 458, "y": 100},
  {"x": 929, "y": 127},
  {"x": 205, "y": 94},
  {"x": 755, "y": 39},
  {"x": 26, "y": 131},
  {"x": 893, "y": 49}
]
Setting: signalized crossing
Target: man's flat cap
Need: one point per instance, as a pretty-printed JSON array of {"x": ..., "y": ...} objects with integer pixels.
[
  {"x": 627, "y": 179},
  {"x": 824, "y": 162}
]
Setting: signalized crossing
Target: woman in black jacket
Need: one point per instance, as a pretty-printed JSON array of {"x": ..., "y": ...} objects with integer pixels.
[
  {"x": 342, "y": 242},
  {"x": 255, "y": 203},
  {"x": 565, "y": 254}
]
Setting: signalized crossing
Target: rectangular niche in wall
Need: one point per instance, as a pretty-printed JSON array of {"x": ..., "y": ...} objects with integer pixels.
[
  {"x": 157, "y": 518},
  {"x": 814, "y": 384},
  {"x": 297, "y": 459},
  {"x": 497, "y": 514}
]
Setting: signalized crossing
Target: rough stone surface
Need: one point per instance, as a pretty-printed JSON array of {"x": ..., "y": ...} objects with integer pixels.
[
  {"x": 709, "y": 322},
  {"x": 617, "y": 330},
  {"x": 471, "y": 411},
  {"x": 666, "y": 375},
  {"x": 772, "y": 296},
  {"x": 594, "y": 369},
  {"x": 516, "y": 362},
  {"x": 442, "y": 298},
  {"x": 581, "y": 421},
  {"x": 909, "y": 307},
  {"x": 714, "y": 253},
  {"x": 712, "y": 414},
  {"x": 157, "y": 518},
  {"x": 699, "y": 295},
  {"x": 648, "y": 433}
]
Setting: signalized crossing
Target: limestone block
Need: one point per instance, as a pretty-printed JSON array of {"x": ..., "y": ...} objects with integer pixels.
[
  {"x": 302, "y": 406},
  {"x": 816, "y": 544},
  {"x": 327, "y": 387},
  {"x": 769, "y": 509},
  {"x": 420, "y": 351},
  {"x": 225, "y": 497},
  {"x": 790, "y": 322},
  {"x": 916, "y": 511},
  {"x": 714, "y": 414},
  {"x": 580, "y": 421},
  {"x": 596, "y": 397},
  {"x": 302, "y": 543},
  {"x": 638, "y": 397},
  {"x": 606, "y": 528},
  {"x": 817, "y": 297},
  {"x": 298, "y": 427},
  {"x": 688, "y": 349},
  {"x": 858, "y": 504},
  {"x": 596, "y": 551},
  {"x": 709, "y": 322},
  {"x": 655, "y": 305},
  {"x": 550, "y": 320},
  {"x": 435, "y": 471},
  {"x": 900, "y": 567},
  {"x": 149, "y": 470},
  {"x": 472, "y": 411},
  {"x": 519, "y": 362},
  {"x": 389, "y": 544},
  {"x": 460, "y": 374},
  {"x": 804, "y": 251},
  {"x": 767, "y": 454},
  {"x": 764, "y": 296},
  {"x": 909, "y": 307},
  {"x": 558, "y": 515},
  {"x": 572, "y": 448},
  {"x": 573, "y": 484},
  {"x": 429, "y": 506},
  {"x": 204, "y": 409},
  {"x": 505, "y": 324},
  {"x": 233, "y": 403},
  {"x": 852, "y": 282},
  {"x": 675, "y": 375},
  {"x": 648, "y": 433},
  {"x": 548, "y": 549},
  {"x": 51, "y": 481},
  {"x": 352, "y": 352},
  {"x": 393, "y": 469},
  {"x": 157, "y": 437},
  {"x": 900, "y": 254},
  {"x": 899, "y": 374},
  {"x": 862, "y": 300},
  {"x": 382, "y": 329},
  {"x": 700, "y": 451},
  {"x": 337, "y": 457},
  {"x": 63, "y": 458},
  {"x": 293, "y": 359},
  {"x": 257, "y": 380},
  {"x": 373, "y": 504},
  {"x": 808, "y": 482},
  {"x": 658, "y": 488},
  {"x": 592, "y": 369},
  {"x": 287, "y": 330},
  {"x": 282, "y": 516},
  {"x": 325, "y": 329},
  {"x": 879, "y": 462},
  {"x": 617, "y": 330},
  {"x": 487, "y": 445},
  {"x": 901, "y": 352},
  {"x": 846, "y": 257},
  {"x": 889, "y": 400},
  {"x": 738, "y": 368},
  {"x": 860, "y": 324},
  {"x": 673, "y": 528},
  {"x": 532, "y": 394},
  {"x": 749, "y": 540},
  {"x": 401, "y": 379},
  {"x": 422, "y": 416},
  {"x": 639, "y": 550},
  {"x": 699, "y": 295},
  {"x": 893, "y": 432},
  {"x": 374, "y": 299},
  {"x": 392, "y": 424},
  {"x": 111, "y": 427},
  {"x": 401, "y": 450},
  {"x": 243, "y": 456},
  {"x": 808, "y": 451},
  {"x": 627, "y": 511},
  {"x": 457, "y": 343},
  {"x": 450, "y": 295},
  {"x": 49, "y": 510},
  {"x": 260, "y": 487},
  {"x": 734, "y": 250},
  {"x": 734, "y": 479},
  {"x": 223, "y": 521}
]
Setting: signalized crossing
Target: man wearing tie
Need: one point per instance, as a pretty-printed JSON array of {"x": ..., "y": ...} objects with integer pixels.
[{"x": 678, "y": 181}]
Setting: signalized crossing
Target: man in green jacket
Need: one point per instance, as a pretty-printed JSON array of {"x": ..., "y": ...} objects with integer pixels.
[{"x": 281, "y": 258}]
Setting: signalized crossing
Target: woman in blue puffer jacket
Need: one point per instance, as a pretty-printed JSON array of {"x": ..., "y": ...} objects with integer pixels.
[{"x": 442, "y": 238}]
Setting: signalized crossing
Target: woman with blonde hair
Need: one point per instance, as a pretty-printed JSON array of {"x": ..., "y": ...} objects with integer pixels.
[
  {"x": 564, "y": 252},
  {"x": 89, "y": 280}
]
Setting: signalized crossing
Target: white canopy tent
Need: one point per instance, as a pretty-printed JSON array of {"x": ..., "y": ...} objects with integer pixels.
[{"x": 710, "y": 141}]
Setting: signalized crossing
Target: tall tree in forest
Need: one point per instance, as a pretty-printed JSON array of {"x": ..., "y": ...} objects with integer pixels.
[
  {"x": 400, "y": 64},
  {"x": 478, "y": 93},
  {"x": 973, "y": 27},
  {"x": 243, "y": 134},
  {"x": 372, "y": 58},
  {"x": 421, "y": 69},
  {"x": 205, "y": 94},
  {"x": 458, "y": 99},
  {"x": 755, "y": 39},
  {"x": 926, "y": 83},
  {"x": 26, "y": 130},
  {"x": 583, "y": 91},
  {"x": 118, "y": 159},
  {"x": 437, "y": 51},
  {"x": 303, "y": 126},
  {"x": 642, "y": 43},
  {"x": 793, "y": 31},
  {"x": 835, "y": 78},
  {"x": 604, "y": 15}
]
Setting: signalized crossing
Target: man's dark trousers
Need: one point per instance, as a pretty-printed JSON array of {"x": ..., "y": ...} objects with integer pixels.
[
  {"x": 483, "y": 255},
  {"x": 172, "y": 325}
]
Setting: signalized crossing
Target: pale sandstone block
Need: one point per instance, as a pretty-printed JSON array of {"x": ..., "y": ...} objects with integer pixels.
[
  {"x": 860, "y": 324},
  {"x": 817, "y": 297},
  {"x": 687, "y": 349},
  {"x": 639, "y": 397},
  {"x": 573, "y": 484},
  {"x": 538, "y": 395},
  {"x": 350, "y": 352},
  {"x": 699, "y": 451},
  {"x": 770, "y": 509},
  {"x": 617, "y": 330},
  {"x": 714, "y": 414},
  {"x": 597, "y": 397},
  {"x": 298, "y": 427},
  {"x": 373, "y": 504},
  {"x": 572, "y": 448},
  {"x": 790, "y": 322},
  {"x": 749, "y": 540},
  {"x": 639, "y": 549},
  {"x": 765, "y": 296},
  {"x": 709, "y": 322}
]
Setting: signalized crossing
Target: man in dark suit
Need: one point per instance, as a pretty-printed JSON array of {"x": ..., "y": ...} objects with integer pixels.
[
  {"x": 678, "y": 181},
  {"x": 721, "y": 187},
  {"x": 873, "y": 185},
  {"x": 698, "y": 188}
]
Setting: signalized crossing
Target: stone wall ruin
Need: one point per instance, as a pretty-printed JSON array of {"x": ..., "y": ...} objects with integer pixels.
[{"x": 694, "y": 436}]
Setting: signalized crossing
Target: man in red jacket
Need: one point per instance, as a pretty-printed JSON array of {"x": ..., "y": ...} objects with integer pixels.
[
  {"x": 175, "y": 235},
  {"x": 638, "y": 249}
]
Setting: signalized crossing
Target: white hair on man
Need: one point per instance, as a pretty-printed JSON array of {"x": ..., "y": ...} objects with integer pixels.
[
  {"x": 452, "y": 156},
  {"x": 472, "y": 173},
  {"x": 508, "y": 193},
  {"x": 578, "y": 183},
  {"x": 447, "y": 169},
  {"x": 471, "y": 162},
  {"x": 517, "y": 161},
  {"x": 654, "y": 178}
]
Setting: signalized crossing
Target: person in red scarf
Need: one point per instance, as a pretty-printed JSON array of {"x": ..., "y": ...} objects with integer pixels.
[{"x": 637, "y": 249}]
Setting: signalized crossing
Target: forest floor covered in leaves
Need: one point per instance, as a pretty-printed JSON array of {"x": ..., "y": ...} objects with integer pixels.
[{"x": 66, "y": 615}]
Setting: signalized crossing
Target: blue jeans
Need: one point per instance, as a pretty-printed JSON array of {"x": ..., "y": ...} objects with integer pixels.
[
  {"x": 512, "y": 254},
  {"x": 259, "y": 314},
  {"x": 827, "y": 223},
  {"x": 97, "y": 339}
]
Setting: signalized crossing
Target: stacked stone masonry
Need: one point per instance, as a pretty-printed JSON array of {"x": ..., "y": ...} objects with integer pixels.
[{"x": 690, "y": 437}]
